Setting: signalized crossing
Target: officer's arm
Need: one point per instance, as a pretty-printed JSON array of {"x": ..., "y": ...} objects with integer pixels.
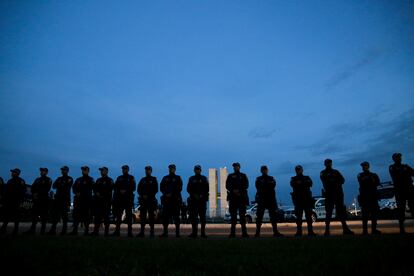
[
  {"x": 411, "y": 171},
  {"x": 246, "y": 184},
  {"x": 310, "y": 183},
  {"x": 49, "y": 185},
  {"x": 155, "y": 186},
  {"x": 189, "y": 187},
  {"x": 292, "y": 183},
  {"x": 180, "y": 184},
  {"x": 133, "y": 184},
  {"x": 341, "y": 178},
  {"x": 163, "y": 185},
  {"x": 377, "y": 180},
  {"x": 139, "y": 189},
  {"x": 273, "y": 183}
]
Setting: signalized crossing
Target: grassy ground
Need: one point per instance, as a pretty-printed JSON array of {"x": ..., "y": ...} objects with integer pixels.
[{"x": 379, "y": 255}]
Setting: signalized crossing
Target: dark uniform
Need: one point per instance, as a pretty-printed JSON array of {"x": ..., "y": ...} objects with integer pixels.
[
  {"x": 332, "y": 181},
  {"x": 82, "y": 202},
  {"x": 302, "y": 200},
  {"x": 147, "y": 189},
  {"x": 171, "y": 186},
  {"x": 198, "y": 189},
  {"x": 40, "y": 193},
  {"x": 61, "y": 202},
  {"x": 237, "y": 184},
  {"x": 124, "y": 189},
  {"x": 102, "y": 201},
  {"x": 266, "y": 199},
  {"x": 14, "y": 193},
  {"x": 368, "y": 198},
  {"x": 401, "y": 175}
]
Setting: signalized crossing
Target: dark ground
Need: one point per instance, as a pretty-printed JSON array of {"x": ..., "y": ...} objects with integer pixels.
[{"x": 389, "y": 254}]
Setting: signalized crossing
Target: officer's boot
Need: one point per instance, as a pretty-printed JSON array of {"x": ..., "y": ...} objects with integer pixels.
[
  {"x": 32, "y": 229},
  {"x": 142, "y": 232},
  {"x": 43, "y": 228},
  {"x": 345, "y": 228},
  {"x": 402, "y": 228},
  {"x": 177, "y": 230},
  {"x": 203, "y": 230},
  {"x": 327, "y": 231},
  {"x": 151, "y": 230},
  {"x": 74, "y": 230},
  {"x": 232, "y": 230},
  {"x": 130, "y": 230},
  {"x": 310, "y": 230},
  {"x": 106, "y": 233},
  {"x": 244, "y": 231},
  {"x": 194, "y": 227},
  {"x": 258, "y": 226},
  {"x": 276, "y": 232},
  {"x": 95, "y": 231},
  {"x": 16, "y": 228},
  {"x": 3, "y": 229},
  {"x": 165, "y": 231},
  {"x": 374, "y": 229},
  {"x": 299, "y": 231},
  {"x": 364, "y": 227},
  {"x": 117, "y": 231},
  {"x": 52, "y": 230},
  {"x": 64, "y": 229}
]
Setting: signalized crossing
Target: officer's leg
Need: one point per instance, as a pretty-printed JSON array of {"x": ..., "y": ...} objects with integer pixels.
[
  {"x": 400, "y": 199},
  {"x": 128, "y": 213},
  {"x": 309, "y": 222},
  {"x": 202, "y": 213},
  {"x": 193, "y": 212},
  {"x": 233, "y": 218},
  {"x": 259, "y": 218},
  {"x": 298, "y": 214},
  {"x": 16, "y": 218},
  {"x": 54, "y": 215},
  {"x": 44, "y": 217},
  {"x": 76, "y": 218},
  {"x": 273, "y": 219},
  {"x": 166, "y": 210},
  {"x": 118, "y": 210},
  {"x": 341, "y": 214},
  {"x": 151, "y": 216},
  {"x": 329, "y": 205},
  {"x": 364, "y": 214},
  {"x": 64, "y": 215},
  {"x": 6, "y": 218},
  {"x": 106, "y": 213},
  {"x": 86, "y": 216},
  {"x": 242, "y": 213},
  {"x": 98, "y": 212},
  {"x": 177, "y": 220},
  {"x": 35, "y": 215},
  {"x": 374, "y": 217},
  {"x": 143, "y": 217}
]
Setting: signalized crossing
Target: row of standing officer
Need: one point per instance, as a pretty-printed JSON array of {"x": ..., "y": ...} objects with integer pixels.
[{"x": 171, "y": 186}]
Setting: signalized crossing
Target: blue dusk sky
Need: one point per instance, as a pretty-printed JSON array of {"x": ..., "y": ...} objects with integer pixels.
[{"x": 281, "y": 83}]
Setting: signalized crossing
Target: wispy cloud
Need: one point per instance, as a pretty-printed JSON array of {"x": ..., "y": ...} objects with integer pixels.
[
  {"x": 261, "y": 133},
  {"x": 353, "y": 69}
]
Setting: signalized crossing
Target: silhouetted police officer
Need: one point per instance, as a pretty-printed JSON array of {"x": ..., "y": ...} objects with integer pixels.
[
  {"x": 401, "y": 175},
  {"x": 266, "y": 199},
  {"x": 124, "y": 189},
  {"x": 302, "y": 199},
  {"x": 40, "y": 194},
  {"x": 61, "y": 202},
  {"x": 171, "y": 186},
  {"x": 82, "y": 203},
  {"x": 237, "y": 184},
  {"x": 102, "y": 189},
  {"x": 147, "y": 189},
  {"x": 332, "y": 181},
  {"x": 15, "y": 190},
  {"x": 368, "y": 198},
  {"x": 198, "y": 189}
]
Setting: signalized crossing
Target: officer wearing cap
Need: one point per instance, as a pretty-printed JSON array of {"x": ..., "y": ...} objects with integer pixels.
[
  {"x": 171, "y": 186},
  {"x": 266, "y": 199},
  {"x": 401, "y": 175},
  {"x": 368, "y": 199},
  {"x": 124, "y": 189},
  {"x": 102, "y": 190},
  {"x": 15, "y": 190},
  {"x": 82, "y": 203},
  {"x": 198, "y": 189},
  {"x": 302, "y": 199},
  {"x": 237, "y": 184},
  {"x": 61, "y": 202},
  {"x": 332, "y": 181},
  {"x": 147, "y": 189},
  {"x": 40, "y": 193}
]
